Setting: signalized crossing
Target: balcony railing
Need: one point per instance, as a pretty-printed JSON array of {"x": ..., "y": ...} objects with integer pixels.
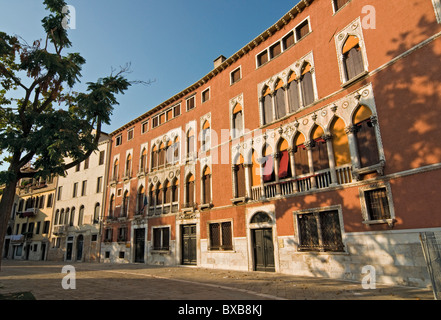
[
  {"x": 320, "y": 180},
  {"x": 156, "y": 210}
]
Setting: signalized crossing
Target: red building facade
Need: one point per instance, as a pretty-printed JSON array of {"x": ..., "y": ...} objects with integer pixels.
[{"x": 313, "y": 150}]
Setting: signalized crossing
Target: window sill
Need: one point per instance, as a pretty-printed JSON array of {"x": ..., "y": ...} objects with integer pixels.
[
  {"x": 161, "y": 251},
  {"x": 390, "y": 222},
  {"x": 354, "y": 79},
  {"x": 205, "y": 206},
  {"x": 379, "y": 168},
  {"x": 239, "y": 200}
]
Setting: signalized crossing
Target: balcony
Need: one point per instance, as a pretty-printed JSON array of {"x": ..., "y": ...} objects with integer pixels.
[
  {"x": 319, "y": 180},
  {"x": 28, "y": 213},
  {"x": 156, "y": 210}
]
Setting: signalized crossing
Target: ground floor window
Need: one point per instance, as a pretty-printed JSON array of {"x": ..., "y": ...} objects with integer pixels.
[
  {"x": 221, "y": 237},
  {"x": 320, "y": 231},
  {"x": 161, "y": 238}
]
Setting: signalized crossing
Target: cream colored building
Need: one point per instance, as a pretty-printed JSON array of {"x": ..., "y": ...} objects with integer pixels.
[{"x": 76, "y": 225}]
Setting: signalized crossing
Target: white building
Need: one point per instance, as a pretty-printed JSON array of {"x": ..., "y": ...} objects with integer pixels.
[{"x": 78, "y": 209}]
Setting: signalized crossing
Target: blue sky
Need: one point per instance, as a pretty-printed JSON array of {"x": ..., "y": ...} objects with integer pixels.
[{"x": 173, "y": 42}]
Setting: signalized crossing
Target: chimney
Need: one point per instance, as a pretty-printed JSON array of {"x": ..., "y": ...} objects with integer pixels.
[{"x": 218, "y": 61}]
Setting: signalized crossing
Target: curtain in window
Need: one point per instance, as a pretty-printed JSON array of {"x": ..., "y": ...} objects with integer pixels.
[{"x": 268, "y": 170}]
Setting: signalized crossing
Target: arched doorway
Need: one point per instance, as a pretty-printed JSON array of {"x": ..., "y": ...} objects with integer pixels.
[
  {"x": 80, "y": 243},
  {"x": 262, "y": 244}
]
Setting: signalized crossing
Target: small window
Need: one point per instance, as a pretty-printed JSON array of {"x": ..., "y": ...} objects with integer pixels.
[
  {"x": 107, "y": 254},
  {"x": 288, "y": 40},
  {"x": 205, "y": 95},
  {"x": 86, "y": 164},
  {"x": 177, "y": 110},
  {"x": 83, "y": 188},
  {"x": 118, "y": 140},
  {"x": 75, "y": 190},
  {"x": 338, "y": 4},
  {"x": 101, "y": 161},
  {"x": 130, "y": 134},
  {"x": 46, "y": 227},
  {"x": 162, "y": 118},
  {"x": 221, "y": 236},
  {"x": 262, "y": 58},
  {"x": 275, "y": 50},
  {"x": 302, "y": 30},
  {"x": 236, "y": 75},
  {"x": 191, "y": 103},
  {"x": 155, "y": 122},
  {"x": 99, "y": 182},
  {"x": 121, "y": 254},
  {"x": 144, "y": 127},
  {"x": 377, "y": 204}
]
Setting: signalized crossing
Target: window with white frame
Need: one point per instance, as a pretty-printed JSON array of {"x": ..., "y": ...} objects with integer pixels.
[
  {"x": 377, "y": 204},
  {"x": 235, "y": 75}
]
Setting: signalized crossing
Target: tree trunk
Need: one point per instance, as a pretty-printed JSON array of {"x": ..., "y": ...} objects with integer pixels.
[{"x": 6, "y": 204}]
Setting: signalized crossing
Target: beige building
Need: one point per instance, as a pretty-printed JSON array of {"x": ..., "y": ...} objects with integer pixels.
[
  {"x": 29, "y": 230},
  {"x": 78, "y": 209}
]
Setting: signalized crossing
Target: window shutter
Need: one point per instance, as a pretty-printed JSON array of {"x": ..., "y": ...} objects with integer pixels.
[
  {"x": 214, "y": 236},
  {"x": 207, "y": 190},
  {"x": 240, "y": 180},
  {"x": 367, "y": 144},
  {"x": 320, "y": 155},
  {"x": 293, "y": 96},
  {"x": 307, "y": 89},
  {"x": 284, "y": 165},
  {"x": 301, "y": 160},
  {"x": 267, "y": 109},
  {"x": 227, "y": 241},
  {"x": 280, "y": 103}
]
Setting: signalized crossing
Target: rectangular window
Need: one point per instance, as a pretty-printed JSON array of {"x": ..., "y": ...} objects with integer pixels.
[
  {"x": 49, "y": 200},
  {"x": 177, "y": 110},
  {"x": 101, "y": 161},
  {"x": 122, "y": 234},
  {"x": 37, "y": 230},
  {"x": 338, "y": 4},
  {"x": 288, "y": 40},
  {"x": 221, "y": 237},
  {"x": 118, "y": 140},
  {"x": 320, "y": 231},
  {"x": 46, "y": 227},
  {"x": 302, "y": 30},
  {"x": 162, "y": 118},
  {"x": 83, "y": 188},
  {"x": 169, "y": 114},
  {"x": 262, "y": 58},
  {"x": 235, "y": 76},
  {"x": 275, "y": 50},
  {"x": 161, "y": 238},
  {"x": 99, "y": 182},
  {"x": 190, "y": 103},
  {"x": 77, "y": 168},
  {"x": 205, "y": 95},
  {"x": 75, "y": 190},
  {"x": 130, "y": 134},
  {"x": 155, "y": 122},
  {"x": 144, "y": 126},
  {"x": 60, "y": 191},
  {"x": 377, "y": 204},
  {"x": 86, "y": 163}
]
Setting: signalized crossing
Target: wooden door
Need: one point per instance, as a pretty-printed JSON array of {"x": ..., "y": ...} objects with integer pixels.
[
  {"x": 188, "y": 240},
  {"x": 263, "y": 248}
]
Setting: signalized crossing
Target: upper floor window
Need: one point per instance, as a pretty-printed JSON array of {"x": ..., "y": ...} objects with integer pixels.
[
  {"x": 205, "y": 143},
  {"x": 191, "y": 103},
  {"x": 206, "y": 95},
  {"x": 235, "y": 75},
  {"x": 352, "y": 58},
  {"x": 118, "y": 140},
  {"x": 302, "y": 30},
  {"x": 338, "y": 4},
  {"x": 145, "y": 126},
  {"x": 237, "y": 120},
  {"x": 130, "y": 134}
]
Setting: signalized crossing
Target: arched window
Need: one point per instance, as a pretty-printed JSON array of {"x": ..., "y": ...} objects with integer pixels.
[
  {"x": 340, "y": 143},
  {"x": 205, "y": 144},
  {"x": 161, "y": 155},
  {"x": 352, "y": 57},
  {"x": 168, "y": 153},
  {"x": 189, "y": 191},
  {"x": 81, "y": 216},
  {"x": 306, "y": 84},
  {"x": 280, "y": 102},
  {"x": 115, "y": 169},
  {"x": 261, "y": 217},
  {"x": 206, "y": 185},
  {"x": 140, "y": 200},
  {"x": 293, "y": 93},
  {"x": 67, "y": 216},
  {"x": 255, "y": 170},
  {"x": 268, "y": 165},
  {"x": 96, "y": 213},
  {"x": 155, "y": 158},
  {"x": 175, "y": 150},
  {"x": 319, "y": 150},
  {"x": 72, "y": 216},
  {"x": 300, "y": 156},
  {"x": 143, "y": 161},
  {"x": 190, "y": 142},
  {"x": 159, "y": 195},
  {"x": 125, "y": 204},
  {"x": 152, "y": 196},
  {"x": 57, "y": 215},
  {"x": 284, "y": 160},
  {"x": 112, "y": 205},
  {"x": 237, "y": 120},
  {"x": 267, "y": 106},
  {"x": 61, "y": 217},
  {"x": 128, "y": 165},
  {"x": 365, "y": 136},
  {"x": 167, "y": 192},
  {"x": 239, "y": 172},
  {"x": 175, "y": 190}
]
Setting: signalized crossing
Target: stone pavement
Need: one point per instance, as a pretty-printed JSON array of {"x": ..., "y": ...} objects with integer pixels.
[{"x": 141, "y": 282}]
